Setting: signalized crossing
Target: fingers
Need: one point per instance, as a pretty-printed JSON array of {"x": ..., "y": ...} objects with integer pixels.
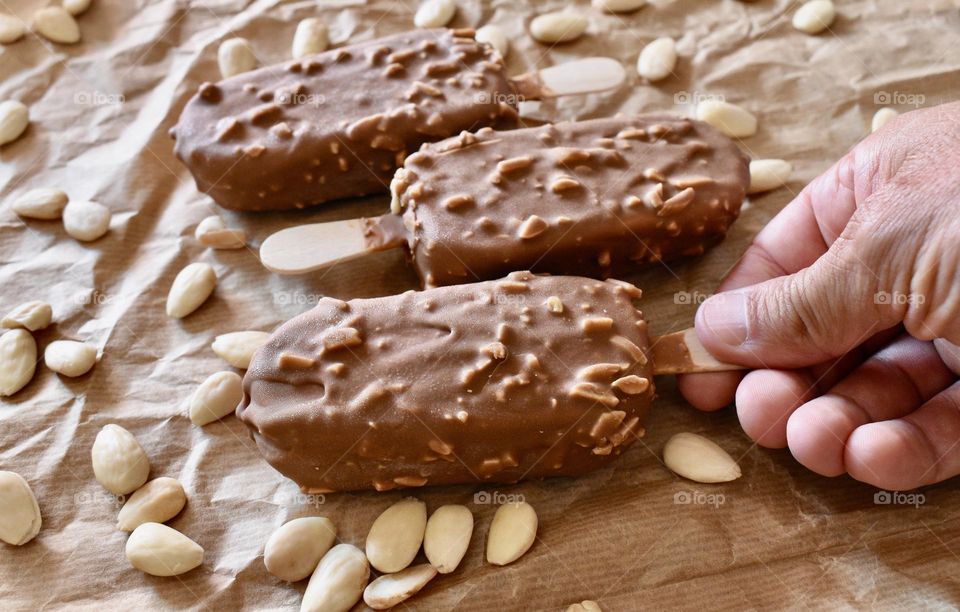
[{"x": 710, "y": 391}]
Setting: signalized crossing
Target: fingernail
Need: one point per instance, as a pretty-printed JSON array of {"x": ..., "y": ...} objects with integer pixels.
[{"x": 724, "y": 316}]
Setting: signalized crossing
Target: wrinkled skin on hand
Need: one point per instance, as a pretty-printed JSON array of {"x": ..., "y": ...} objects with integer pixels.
[{"x": 847, "y": 309}]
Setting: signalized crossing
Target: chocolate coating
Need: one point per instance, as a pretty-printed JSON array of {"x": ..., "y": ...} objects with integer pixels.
[
  {"x": 524, "y": 377},
  {"x": 337, "y": 124},
  {"x": 591, "y": 197}
]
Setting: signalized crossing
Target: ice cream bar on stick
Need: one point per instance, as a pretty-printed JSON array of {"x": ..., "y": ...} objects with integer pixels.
[
  {"x": 338, "y": 124},
  {"x": 591, "y": 197},
  {"x": 523, "y": 377}
]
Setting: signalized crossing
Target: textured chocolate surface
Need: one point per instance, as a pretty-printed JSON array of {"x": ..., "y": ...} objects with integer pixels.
[
  {"x": 524, "y": 377},
  {"x": 591, "y": 197},
  {"x": 339, "y": 123}
]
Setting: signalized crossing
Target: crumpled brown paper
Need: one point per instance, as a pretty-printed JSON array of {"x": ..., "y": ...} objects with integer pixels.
[{"x": 632, "y": 536}]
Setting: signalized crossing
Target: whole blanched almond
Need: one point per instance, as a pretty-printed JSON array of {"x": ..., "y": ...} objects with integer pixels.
[
  {"x": 43, "y": 203},
  {"x": 14, "y": 118},
  {"x": 337, "y": 583},
  {"x": 882, "y": 117},
  {"x": 512, "y": 533},
  {"x": 76, "y": 7},
  {"x": 767, "y": 174},
  {"x": 56, "y": 25},
  {"x": 447, "y": 537},
  {"x": 585, "y": 606},
  {"x": 19, "y": 513},
  {"x": 235, "y": 56},
  {"x": 699, "y": 459},
  {"x": 159, "y": 550},
  {"x": 295, "y": 549},
  {"x": 494, "y": 36},
  {"x": 212, "y": 232},
  {"x": 216, "y": 397},
  {"x": 618, "y": 6},
  {"x": 31, "y": 316},
  {"x": 158, "y": 501},
  {"x": 18, "y": 361},
  {"x": 237, "y": 348},
  {"x": 86, "y": 221},
  {"x": 69, "y": 357},
  {"x": 391, "y": 589},
  {"x": 435, "y": 13},
  {"x": 11, "y": 29},
  {"x": 312, "y": 36},
  {"x": 190, "y": 289},
  {"x": 658, "y": 59},
  {"x": 730, "y": 119},
  {"x": 561, "y": 26},
  {"x": 815, "y": 16},
  {"x": 395, "y": 537},
  {"x": 119, "y": 463}
]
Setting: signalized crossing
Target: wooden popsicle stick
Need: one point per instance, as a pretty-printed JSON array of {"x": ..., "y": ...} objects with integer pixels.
[
  {"x": 582, "y": 76},
  {"x": 682, "y": 353}
]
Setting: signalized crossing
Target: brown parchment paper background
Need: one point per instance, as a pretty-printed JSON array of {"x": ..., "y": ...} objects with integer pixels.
[{"x": 779, "y": 537}]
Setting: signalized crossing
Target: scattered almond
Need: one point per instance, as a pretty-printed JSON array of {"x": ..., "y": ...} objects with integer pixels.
[
  {"x": 159, "y": 550},
  {"x": 494, "y": 36},
  {"x": 618, "y": 6},
  {"x": 396, "y": 535},
  {"x": 119, "y": 463},
  {"x": 561, "y": 26},
  {"x": 699, "y": 459},
  {"x": 295, "y": 549},
  {"x": 14, "y": 118},
  {"x": 43, "y": 203},
  {"x": 213, "y": 233},
  {"x": 190, "y": 289},
  {"x": 31, "y": 316},
  {"x": 311, "y": 36},
  {"x": 882, "y": 117},
  {"x": 767, "y": 174},
  {"x": 815, "y": 16},
  {"x": 19, "y": 513},
  {"x": 435, "y": 13},
  {"x": 337, "y": 583},
  {"x": 86, "y": 221},
  {"x": 658, "y": 59},
  {"x": 512, "y": 533},
  {"x": 730, "y": 119},
  {"x": 391, "y": 589},
  {"x": 11, "y": 29},
  {"x": 447, "y": 537},
  {"x": 216, "y": 397},
  {"x": 18, "y": 361},
  {"x": 237, "y": 348},
  {"x": 585, "y": 606},
  {"x": 235, "y": 56},
  {"x": 158, "y": 501},
  {"x": 76, "y": 7},
  {"x": 56, "y": 25},
  {"x": 69, "y": 357}
]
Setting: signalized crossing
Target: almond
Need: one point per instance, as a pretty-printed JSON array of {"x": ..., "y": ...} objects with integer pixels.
[
  {"x": 158, "y": 501},
  {"x": 216, "y": 397},
  {"x": 14, "y": 118},
  {"x": 76, "y": 7},
  {"x": 235, "y": 56},
  {"x": 337, "y": 583},
  {"x": 312, "y": 36},
  {"x": 494, "y": 36},
  {"x": 56, "y": 25},
  {"x": 561, "y": 26},
  {"x": 86, "y": 221},
  {"x": 43, "y": 203},
  {"x": 213, "y": 233},
  {"x": 699, "y": 459},
  {"x": 159, "y": 550},
  {"x": 11, "y": 29},
  {"x": 19, "y": 513},
  {"x": 18, "y": 361},
  {"x": 447, "y": 537},
  {"x": 658, "y": 59},
  {"x": 882, "y": 117},
  {"x": 434, "y": 13},
  {"x": 69, "y": 357},
  {"x": 815, "y": 16},
  {"x": 585, "y": 606},
  {"x": 119, "y": 463},
  {"x": 391, "y": 589},
  {"x": 295, "y": 549},
  {"x": 31, "y": 316},
  {"x": 730, "y": 119},
  {"x": 767, "y": 174},
  {"x": 395, "y": 537},
  {"x": 190, "y": 289},
  {"x": 512, "y": 533},
  {"x": 618, "y": 6},
  {"x": 237, "y": 348}
]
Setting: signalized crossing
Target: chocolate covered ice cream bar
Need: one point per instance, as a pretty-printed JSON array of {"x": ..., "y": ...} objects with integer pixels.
[
  {"x": 338, "y": 124},
  {"x": 592, "y": 197}
]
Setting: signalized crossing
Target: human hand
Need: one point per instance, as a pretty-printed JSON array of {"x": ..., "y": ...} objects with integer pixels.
[{"x": 847, "y": 307}]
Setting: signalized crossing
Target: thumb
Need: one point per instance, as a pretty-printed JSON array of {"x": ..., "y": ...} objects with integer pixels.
[{"x": 794, "y": 321}]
